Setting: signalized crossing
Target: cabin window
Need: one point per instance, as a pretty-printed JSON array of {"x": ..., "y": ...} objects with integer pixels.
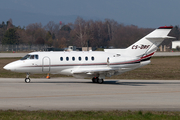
[
  {"x": 79, "y": 58},
  {"x": 92, "y": 58},
  {"x": 73, "y": 58},
  {"x": 67, "y": 58},
  {"x": 86, "y": 58},
  {"x": 61, "y": 58}
]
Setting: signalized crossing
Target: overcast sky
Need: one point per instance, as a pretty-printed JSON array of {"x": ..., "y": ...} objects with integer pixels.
[{"x": 143, "y": 13}]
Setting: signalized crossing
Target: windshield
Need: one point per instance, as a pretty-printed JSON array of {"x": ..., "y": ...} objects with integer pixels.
[{"x": 30, "y": 57}]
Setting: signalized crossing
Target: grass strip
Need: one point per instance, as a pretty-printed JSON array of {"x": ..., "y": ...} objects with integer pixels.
[{"x": 91, "y": 115}]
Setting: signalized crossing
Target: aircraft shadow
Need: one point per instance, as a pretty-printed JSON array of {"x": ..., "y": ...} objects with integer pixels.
[
  {"x": 111, "y": 83},
  {"x": 131, "y": 83},
  {"x": 138, "y": 83}
]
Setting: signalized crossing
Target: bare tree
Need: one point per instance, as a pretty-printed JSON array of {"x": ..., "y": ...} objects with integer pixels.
[
  {"x": 80, "y": 29},
  {"x": 50, "y": 26},
  {"x": 35, "y": 31}
]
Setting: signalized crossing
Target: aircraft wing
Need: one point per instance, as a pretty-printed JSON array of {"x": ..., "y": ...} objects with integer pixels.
[{"x": 94, "y": 72}]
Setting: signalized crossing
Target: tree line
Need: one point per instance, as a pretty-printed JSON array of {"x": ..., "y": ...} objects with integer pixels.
[{"x": 81, "y": 33}]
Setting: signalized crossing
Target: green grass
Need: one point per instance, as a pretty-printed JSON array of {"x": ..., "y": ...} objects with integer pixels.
[{"x": 88, "y": 115}]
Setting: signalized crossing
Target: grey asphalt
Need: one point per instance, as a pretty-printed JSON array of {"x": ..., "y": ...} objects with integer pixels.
[
  {"x": 167, "y": 54},
  {"x": 80, "y": 94},
  {"x": 5, "y": 55}
]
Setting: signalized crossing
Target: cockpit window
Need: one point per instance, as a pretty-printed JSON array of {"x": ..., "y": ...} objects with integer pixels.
[
  {"x": 25, "y": 57},
  {"x": 30, "y": 57},
  {"x": 36, "y": 56}
]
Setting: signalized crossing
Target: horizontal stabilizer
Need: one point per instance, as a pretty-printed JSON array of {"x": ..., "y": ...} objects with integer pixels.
[{"x": 162, "y": 37}]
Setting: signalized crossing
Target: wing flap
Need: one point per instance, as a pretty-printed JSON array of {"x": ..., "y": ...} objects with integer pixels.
[{"x": 91, "y": 71}]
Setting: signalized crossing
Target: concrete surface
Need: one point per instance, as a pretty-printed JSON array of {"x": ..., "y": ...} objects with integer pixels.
[
  {"x": 80, "y": 94},
  {"x": 5, "y": 55},
  {"x": 167, "y": 54}
]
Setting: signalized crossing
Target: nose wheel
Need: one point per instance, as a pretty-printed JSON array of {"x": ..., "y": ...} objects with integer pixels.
[{"x": 27, "y": 79}]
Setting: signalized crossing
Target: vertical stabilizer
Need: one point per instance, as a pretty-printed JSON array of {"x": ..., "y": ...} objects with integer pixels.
[{"x": 149, "y": 44}]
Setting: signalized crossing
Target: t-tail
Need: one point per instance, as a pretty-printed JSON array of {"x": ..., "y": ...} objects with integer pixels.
[{"x": 148, "y": 45}]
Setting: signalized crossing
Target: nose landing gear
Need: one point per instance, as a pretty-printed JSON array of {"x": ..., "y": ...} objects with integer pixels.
[{"x": 27, "y": 79}]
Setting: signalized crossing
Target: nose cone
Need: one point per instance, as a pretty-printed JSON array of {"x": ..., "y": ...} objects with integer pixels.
[
  {"x": 11, "y": 66},
  {"x": 14, "y": 66},
  {"x": 8, "y": 67}
]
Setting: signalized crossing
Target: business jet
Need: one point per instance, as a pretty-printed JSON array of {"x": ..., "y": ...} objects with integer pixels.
[{"x": 92, "y": 64}]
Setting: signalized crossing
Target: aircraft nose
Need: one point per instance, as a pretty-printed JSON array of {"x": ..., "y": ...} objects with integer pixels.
[
  {"x": 10, "y": 66},
  {"x": 7, "y": 67}
]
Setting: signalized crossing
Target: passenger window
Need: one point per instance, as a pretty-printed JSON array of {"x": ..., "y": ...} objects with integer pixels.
[
  {"x": 86, "y": 58},
  {"x": 61, "y": 58},
  {"x": 67, "y": 58},
  {"x": 73, "y": 58},
  {"x": 92, "y": 58},
  {"x": 79, "y": 58}
]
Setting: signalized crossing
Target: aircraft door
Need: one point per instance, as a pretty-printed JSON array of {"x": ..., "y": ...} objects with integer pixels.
[{"x": 46, "y": 64}]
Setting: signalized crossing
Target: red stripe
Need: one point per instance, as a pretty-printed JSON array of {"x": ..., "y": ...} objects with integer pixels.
[{"x": 147, "y": 55}]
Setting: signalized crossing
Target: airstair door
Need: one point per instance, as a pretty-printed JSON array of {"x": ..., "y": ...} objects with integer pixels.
[{"x": 46, "y": 64}]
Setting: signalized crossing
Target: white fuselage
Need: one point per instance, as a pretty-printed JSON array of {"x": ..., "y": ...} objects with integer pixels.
[{"x": 74, "y": 63}]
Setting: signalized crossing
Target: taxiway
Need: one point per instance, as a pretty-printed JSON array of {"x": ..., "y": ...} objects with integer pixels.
[{"x": 80, "y": 94}]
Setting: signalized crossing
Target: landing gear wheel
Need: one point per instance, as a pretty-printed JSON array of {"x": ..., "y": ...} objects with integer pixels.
[
  {"x": 27, "y": 80},
  {"x": 100, "y": 81},
  {"x": 95, "y": 79}
]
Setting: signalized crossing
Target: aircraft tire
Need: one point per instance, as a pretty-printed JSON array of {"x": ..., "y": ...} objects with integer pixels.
[
  {"x": 27, "y": 80},
  {"x": 95, "y": 80},
  {"x": 100, "y": 81}
]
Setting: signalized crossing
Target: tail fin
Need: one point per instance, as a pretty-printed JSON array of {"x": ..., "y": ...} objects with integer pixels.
[{"x": 146, "y": 46}]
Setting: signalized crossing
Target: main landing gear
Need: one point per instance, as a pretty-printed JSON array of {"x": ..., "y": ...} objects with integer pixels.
[
  {"x": 27, "y": 79},
  {"x": 97, "y": 80}
]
